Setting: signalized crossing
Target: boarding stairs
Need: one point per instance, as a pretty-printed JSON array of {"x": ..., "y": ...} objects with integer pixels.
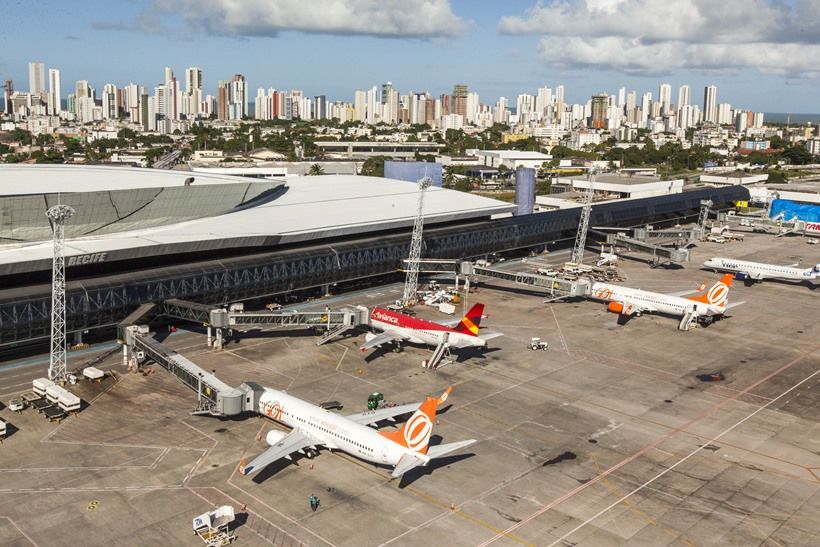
[
  {"x": 689, "y": 320},
  {"x": 338, "y": 330},
  {"x": 441, "y": 355}
]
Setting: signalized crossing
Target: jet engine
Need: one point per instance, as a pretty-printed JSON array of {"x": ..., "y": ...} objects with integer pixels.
[{"x": 615, "y": 307}]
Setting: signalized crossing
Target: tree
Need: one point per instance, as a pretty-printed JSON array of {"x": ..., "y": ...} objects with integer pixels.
[
  {"x": 464, "y": 184},
  {"x": 44, "y": 139},
  {"x": 21, "y": 135},
  {"x": 316, "y": 170},
  {"x": 373, "y": 167},
  {"x": 776, "y": 176},
  {"x": 797, "y": 155},
  {"x": 777, "y": 142}
]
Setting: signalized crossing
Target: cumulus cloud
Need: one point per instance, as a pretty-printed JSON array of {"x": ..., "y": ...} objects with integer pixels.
[
  {"x": 655, "y": 37},
  {"x": 380, "y": 18}
]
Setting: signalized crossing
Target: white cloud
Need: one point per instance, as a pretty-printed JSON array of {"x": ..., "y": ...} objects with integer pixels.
[
  {"x": 656, "y": 36},
  {"x": 381, "y": 18}
]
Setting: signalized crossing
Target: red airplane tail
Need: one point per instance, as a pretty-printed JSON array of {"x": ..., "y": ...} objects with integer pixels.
[{"x": 470, "y": 322}]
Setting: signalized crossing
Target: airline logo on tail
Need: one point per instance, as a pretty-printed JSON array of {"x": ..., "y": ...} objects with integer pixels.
[
  {"x": 415, "y": 434},
  {"x": 469, "y": 323},
  {"x": 717, "y": 294}
]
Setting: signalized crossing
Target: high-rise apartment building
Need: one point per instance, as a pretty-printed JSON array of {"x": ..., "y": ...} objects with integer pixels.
[
  {"x": 710, "y": 104},
  {"x": 320, "y": 107},
  {"x": 193, "y": 92},
  {"x": 36, "y": 78},
  {"x": 543, "y": 100},
  {"x": 360, "y": 105},
  {"x": 8, "y": 91},
  {"x": 600, "y": 105},
  {"x": 373, "y": 115},
  {"x": 684, "y": 96},
  {"x": 665, "y": 98},
  {"x": 55, "y": 106},
  {"x": 110, "y": 110},
  {"x": 459, "y": 102},
  {"x": 222, "y": 99},
  {"x": 238, "y": 106}
]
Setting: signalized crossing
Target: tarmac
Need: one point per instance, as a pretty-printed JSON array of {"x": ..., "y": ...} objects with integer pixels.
[{"x": 607, "y": 438}]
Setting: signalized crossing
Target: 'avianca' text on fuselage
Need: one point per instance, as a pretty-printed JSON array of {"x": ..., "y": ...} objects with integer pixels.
[
  {"x": 758, "y": 271},
  {"x": 401, "y": 327}
]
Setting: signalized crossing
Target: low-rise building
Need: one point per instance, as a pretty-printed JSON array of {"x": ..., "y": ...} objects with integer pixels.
[
  {"x": 513, "y": 159},
  {"x": 738, "y": 177},
  {"x": 620, "y": 186}
]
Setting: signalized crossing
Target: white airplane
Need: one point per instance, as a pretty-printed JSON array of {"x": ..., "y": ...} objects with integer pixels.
[
  {"x": 313, "y": 426},
  {"x": 627, "y": 301},
  {"x": 758, "y": 271},
  {"x": 399, "y": 327}
]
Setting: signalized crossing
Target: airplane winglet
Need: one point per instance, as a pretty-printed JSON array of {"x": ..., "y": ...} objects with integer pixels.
[{"x": 443, "y": 396}]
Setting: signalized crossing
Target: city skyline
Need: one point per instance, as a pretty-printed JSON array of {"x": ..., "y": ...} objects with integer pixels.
[{"x": 494, "y": 49}]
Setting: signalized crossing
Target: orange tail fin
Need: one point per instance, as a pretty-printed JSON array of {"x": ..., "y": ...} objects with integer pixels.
[
  {"x": 415, "y": 433},
  {"x": 470, "y": 322},
  {"x": 717, "y": 294}
]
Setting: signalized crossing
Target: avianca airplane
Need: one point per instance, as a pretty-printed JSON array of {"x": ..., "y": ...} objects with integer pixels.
[
  {"x": 758, "y": 271},
  {"x": 627, "y": 301},
  {"x": 313, "y": 426},
  {"x": 398, "y": 327}
]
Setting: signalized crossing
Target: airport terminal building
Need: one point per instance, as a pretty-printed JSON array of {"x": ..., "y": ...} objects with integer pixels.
[{"x": 142, "y": 235}]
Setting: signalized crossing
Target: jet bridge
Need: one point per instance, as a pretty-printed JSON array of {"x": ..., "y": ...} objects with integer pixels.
[
  {"x": 555, "y": 287},
  {"x": 214, "y": 396},
  {"x": 335, "y": 322},
  {"x": 658, "y": 253}
]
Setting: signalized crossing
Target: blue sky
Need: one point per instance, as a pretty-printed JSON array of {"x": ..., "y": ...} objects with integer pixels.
[{"x": 760, "y": 53}]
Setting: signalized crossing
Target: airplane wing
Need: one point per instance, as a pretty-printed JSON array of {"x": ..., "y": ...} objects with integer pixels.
[
  {"x": 683, "y": 293},
  {"x": 443, "y": 449},
  {"x": 383, "y": 338},
  {"x": 409, "y": 461},
  {"x": 370, "y": 417},
  {"x": 450, "y": 323},
  {"x": 490, "y": 335},
  {"x": 291, "y": 442},
  {"x": 630, "y": 307}
]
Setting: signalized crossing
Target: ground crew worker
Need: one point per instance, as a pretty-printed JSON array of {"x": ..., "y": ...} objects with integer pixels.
[{"x": 314, "y": 502}]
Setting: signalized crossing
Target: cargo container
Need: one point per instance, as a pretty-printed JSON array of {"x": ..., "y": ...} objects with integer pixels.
[
  {"x": 53, "y": 393},
  {"x": 69, "y": 402},
  {"x": 39, "y": 386}
]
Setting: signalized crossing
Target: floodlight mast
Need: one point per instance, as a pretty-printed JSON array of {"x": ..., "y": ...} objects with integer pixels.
[
  {"x": 412, "y": 280},
  {"x": 58, "y": 215},
  {"x": 583, "y": 224}
]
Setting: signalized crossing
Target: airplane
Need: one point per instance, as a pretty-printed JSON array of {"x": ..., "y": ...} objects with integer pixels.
[
  {"x": 758, "y": 271},
  {"x": 398, "y": 327},
  {"x": 626, "y": 301},
  {"x": 314, "y": 426}
]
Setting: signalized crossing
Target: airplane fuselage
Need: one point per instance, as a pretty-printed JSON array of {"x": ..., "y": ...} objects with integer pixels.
[
  {"x": 759, "y": 270},
  {"x": 419, "y": 331},
  {"x": 331, "y": 430},
  {"x": 656, "y": 302}
]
